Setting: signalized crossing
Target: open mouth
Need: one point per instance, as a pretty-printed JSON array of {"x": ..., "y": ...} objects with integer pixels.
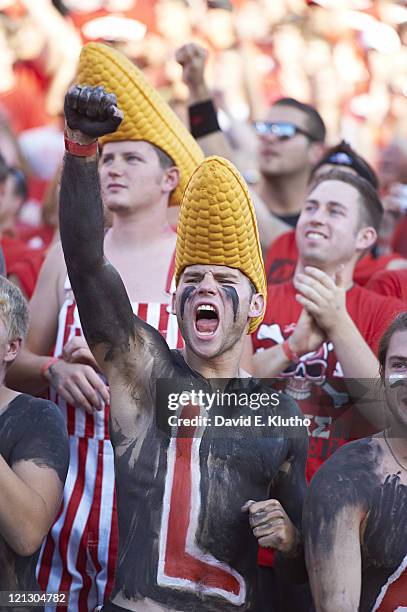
[{"x": 206, "y": 319}]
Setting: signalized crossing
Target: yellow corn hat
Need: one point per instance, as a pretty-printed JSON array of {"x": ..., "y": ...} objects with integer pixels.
[
  {"x": 146, "y": 115},
  {"x": 217, "y": 225}
]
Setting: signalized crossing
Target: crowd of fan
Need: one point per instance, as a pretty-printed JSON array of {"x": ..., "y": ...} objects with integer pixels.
[
  {"x": 299, "y": 80},
  {"x": 330, "y": 56}
]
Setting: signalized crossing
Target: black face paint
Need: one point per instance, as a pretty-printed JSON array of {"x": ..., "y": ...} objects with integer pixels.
[
  {"x": 184, "y": 296},
  {"x": 232, "y": 294}
]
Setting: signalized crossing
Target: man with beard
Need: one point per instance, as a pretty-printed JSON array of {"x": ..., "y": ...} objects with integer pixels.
[
  {"x": 355, "y": 517},
  {"x": 187, "y": 493}
]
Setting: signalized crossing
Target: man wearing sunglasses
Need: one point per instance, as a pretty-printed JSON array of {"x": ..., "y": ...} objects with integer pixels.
[
  {"x": 290, "y": 142},
  {"x": 280, "y": 129}
]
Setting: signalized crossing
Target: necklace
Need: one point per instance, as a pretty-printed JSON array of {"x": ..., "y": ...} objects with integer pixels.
[{"x": 392, "y": 452}]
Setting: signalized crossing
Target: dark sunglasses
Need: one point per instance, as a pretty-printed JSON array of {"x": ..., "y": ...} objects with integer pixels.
[{"x": 283, "y": 131}]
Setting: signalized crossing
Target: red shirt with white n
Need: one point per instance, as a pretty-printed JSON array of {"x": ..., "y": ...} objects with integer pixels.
[{"x": 316, "y": 382}]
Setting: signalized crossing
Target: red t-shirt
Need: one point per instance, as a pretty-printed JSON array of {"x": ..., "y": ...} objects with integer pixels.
[
  {"x": 23, "y": 262},
  {"x": 316, "y": 382},
  {"x": 25, "y": 102},
  {"x": 400, "y": 237},
  {"x": 390, "y": 282},
  {"x": 36, "y": 237},
  {"x": 282, "y": 256}
]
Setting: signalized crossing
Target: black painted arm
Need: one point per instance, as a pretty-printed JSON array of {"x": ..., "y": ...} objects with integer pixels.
[{"x": 104, "y": 307}]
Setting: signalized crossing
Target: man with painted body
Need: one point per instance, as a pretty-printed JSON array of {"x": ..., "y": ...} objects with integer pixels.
[
  {"x": 34, "y": 456},
  {"x": 139, "y": 179},
  {"x": 356, "y": 530},
  {"x": 183, "y": 497}
]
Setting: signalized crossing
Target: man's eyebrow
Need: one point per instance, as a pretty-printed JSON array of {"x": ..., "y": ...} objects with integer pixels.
[
  {"x": 136, "y": 153},
  {"x": 330, "y": 203},
  {"x": 226, "y": 275},
  {"x": 333, "y": 203},
  {"x": 399, "y": 357}
]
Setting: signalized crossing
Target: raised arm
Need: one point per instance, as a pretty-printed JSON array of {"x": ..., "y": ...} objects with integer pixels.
[
  {"x": 107, "y": 319},
  {"x": 205, "y": 128}
]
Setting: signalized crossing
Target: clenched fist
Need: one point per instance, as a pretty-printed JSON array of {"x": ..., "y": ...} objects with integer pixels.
[
  {"x": 192, "y": 58},
  {"x": 272, "y": 526},
  {"x": 91, "y": 111}
]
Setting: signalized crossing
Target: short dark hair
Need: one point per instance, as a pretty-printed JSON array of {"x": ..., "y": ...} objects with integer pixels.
[
  {"x": 315, "y": 126},
  {"x": 371, "y": 209},
  {"x": 164, "y": 159},
  {"x": 4, "y": 169},
  {"x": 342, "y": 154},
  {"x": 399, "y": 324}
]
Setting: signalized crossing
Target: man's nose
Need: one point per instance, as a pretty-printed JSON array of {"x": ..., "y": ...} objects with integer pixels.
[
  {"x": 268, "y": 137},
  {"x": 116, "y": 167},
  {"x": 207, "y": 286},
  {"x": 319, "y": 217}
]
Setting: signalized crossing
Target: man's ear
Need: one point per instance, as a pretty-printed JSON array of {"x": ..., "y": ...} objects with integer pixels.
[
  {"x": 256, "y": 305},
  {"x": 365, "y": 238},
  {"x": 170, "y": 179},
  {"x": 316, "y": 151},
  {"x": 173, "y": 311},
  {"x": 13, "y": 348}
]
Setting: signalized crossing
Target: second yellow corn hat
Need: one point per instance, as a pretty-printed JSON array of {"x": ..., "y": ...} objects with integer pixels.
[
  {"x": 217, "y": 225},
  {"x": 146, "y": 115}
]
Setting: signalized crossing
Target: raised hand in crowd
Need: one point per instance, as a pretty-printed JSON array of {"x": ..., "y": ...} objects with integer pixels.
[
  {"x": 192, "y": 58},
  {"x": 90, "y": 112}
]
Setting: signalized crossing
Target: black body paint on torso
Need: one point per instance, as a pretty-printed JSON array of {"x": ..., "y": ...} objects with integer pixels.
[
  {"x": 31, "y": 429},
  {"x": 385, "y": 543},
  {"x": 352, "y": 477},
  {"x": 233, "y": 469}
]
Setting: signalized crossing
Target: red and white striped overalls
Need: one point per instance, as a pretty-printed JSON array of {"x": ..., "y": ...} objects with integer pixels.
[{"x": 79, "y": 553}]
